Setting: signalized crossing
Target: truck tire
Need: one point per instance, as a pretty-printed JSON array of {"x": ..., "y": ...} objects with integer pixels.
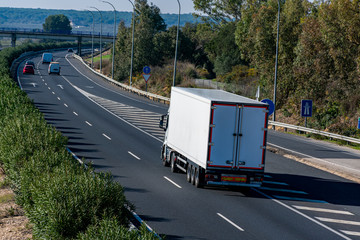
[
  {"x": 198, "y": 178},
  {"x": 188, "y": 173},
  {"x": 173, "y": 163},
  {"x": 163, "y": 157},
  {"x": 193, "y": 170}
]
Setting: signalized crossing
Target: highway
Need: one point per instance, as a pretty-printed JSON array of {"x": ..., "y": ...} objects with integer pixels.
[{"x": 118, "y": 132}]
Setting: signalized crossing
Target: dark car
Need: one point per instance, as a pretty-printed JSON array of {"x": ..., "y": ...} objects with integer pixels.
[
  {"x": 70, "y": 50},
  {"x": 30, "y": 63},
  {"x": 28, "y": 69}
]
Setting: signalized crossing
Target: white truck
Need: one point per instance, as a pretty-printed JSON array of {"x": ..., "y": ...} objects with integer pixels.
[{"x": 215, "y": 137}]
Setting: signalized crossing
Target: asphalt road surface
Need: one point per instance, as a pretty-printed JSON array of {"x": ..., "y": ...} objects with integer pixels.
[{"x": 118, "y": 132}]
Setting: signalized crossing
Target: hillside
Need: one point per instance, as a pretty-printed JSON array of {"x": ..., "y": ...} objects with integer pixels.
[{"x": 81, "y": 20}]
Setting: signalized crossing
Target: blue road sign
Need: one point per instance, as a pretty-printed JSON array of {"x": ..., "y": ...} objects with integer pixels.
[
  {"x": 146, "y": 70},
  {"x": 306, "y": 108},
  {"x": 359, "y": 123},
  {"x": 271, "y": 105}
]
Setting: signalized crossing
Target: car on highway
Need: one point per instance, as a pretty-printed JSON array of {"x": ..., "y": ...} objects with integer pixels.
[
  {"x": 28, "y": 69},
  {"x": 54, "y": 67},
  {"x": 30, "y": 63},
  {"x": 47, "y": 58},
  {"x": 70, "y": 50}
]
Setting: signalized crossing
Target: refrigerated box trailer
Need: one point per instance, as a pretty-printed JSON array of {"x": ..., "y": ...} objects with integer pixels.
[{"x": 215, "y": 137}]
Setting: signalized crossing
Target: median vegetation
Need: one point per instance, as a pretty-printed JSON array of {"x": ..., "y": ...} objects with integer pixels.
[{"x": 62, "y": 199}]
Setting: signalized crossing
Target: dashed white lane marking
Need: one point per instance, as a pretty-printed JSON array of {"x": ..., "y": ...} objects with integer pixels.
[
  {"x": 88, "y": 123},
  {"x": 45, "y": 84},
  {"x": 59, "y": 98},
  {"x": 322, "y": 210},
  {"x": 177, "y": 185},
  {"x": 76, "y": 113},
  {"x": 229, "y": 221},
  {"x": 340, "y": 221},
  {"x": 106, "y": 136},
  {"x": 134, "y": 155},
  {"x": 66, "y": 105},
  {"x": 53, "y": 93},
  {"x": 49, "y": 88},
  {"x": 351, "y": 233}
]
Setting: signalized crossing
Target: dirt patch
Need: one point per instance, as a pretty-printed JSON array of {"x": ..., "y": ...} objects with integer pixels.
[{"x": 14, "y": 225}]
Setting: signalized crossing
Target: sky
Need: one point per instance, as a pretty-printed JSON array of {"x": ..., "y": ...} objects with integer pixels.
[{"x": 166, "y": 6}]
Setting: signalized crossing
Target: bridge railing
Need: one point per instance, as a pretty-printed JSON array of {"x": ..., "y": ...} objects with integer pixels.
[{"x": 41, "y": 31}]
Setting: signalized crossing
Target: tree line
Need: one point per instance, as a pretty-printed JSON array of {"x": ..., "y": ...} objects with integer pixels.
[{"x": 235, "y": 42}]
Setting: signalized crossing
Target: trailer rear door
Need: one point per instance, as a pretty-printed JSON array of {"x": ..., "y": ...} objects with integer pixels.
[{"x": 237, "y": 136}]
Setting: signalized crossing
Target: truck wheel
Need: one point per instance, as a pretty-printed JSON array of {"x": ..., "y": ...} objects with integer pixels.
[
  {"x": 198, "y": 178},
  {"x": 193, "y": 170},
  {"x": 188, "y": 173},
  {"x": 173, "y": 163},
  {"x": 163, "y": 157}
]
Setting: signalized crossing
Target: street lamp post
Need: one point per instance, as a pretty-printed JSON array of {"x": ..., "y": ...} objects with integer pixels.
[
  {"x": 276, "y": 60},
  {"x": 92, "y": 39},
  {"x": 177, "y": 40},
  {"x": 132, "y": 42},
  {"x": 113, "y": 55},
  {"x": 100, "y": 37}
]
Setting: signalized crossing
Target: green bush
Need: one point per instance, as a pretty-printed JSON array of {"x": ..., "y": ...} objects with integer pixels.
[{"x": 61, "y": 198}]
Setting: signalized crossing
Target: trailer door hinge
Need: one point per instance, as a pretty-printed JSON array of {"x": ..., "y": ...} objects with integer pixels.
[
  {"x": 213, "y": 107},
  {"x": 262, "y": 147},
  {"x": 211, "y": 144},
  {"x": 261, "y": 165},
  {"x": 212, "y": 125},
  {"x": 266, "y": 111},
  {"x": 264, "y": 129}
]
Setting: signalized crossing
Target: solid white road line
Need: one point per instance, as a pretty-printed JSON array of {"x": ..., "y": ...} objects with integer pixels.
[
  {"x": 106, "y": 136},
  {"x": 299, "y": 199},
  {"x": 134, "y": 155},
  {"x": 172, "y": 182},
  {"x": 229, "y": 221},
  {"x": 88, "y": 123},
  {"x": 352, "y": 233},
  {"x": 76, "y": 113},
  {"x": 322, "y": 210},
  {"x": 302, "y": 214},
  {"x": 331, "y": 220}
]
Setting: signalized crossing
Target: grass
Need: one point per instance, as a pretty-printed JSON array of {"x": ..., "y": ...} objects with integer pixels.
[{"x": 7, "y": 198}]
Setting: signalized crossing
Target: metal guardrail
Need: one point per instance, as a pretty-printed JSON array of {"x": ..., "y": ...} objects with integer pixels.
[
  {"x": 151, "y": 96},
  {"x": 314, "y": 131}
]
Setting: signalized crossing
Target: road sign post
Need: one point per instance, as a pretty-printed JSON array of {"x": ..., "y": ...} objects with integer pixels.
[
  {"x": 146, "y": 74},
  {"x": 359, "y": 123},
  {"x": 306, "y": 109}
]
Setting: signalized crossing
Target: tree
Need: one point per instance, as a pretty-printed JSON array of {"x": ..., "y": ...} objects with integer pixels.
[
  {"x": 220, "y": 11},
  {"x": 57, "y": 23}
]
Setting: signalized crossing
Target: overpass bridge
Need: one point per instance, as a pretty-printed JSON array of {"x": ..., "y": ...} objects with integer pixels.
[{"x": 79, "y": 36}]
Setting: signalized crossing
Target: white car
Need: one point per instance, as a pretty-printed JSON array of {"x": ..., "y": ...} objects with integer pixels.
[{"x": 54, "y": 67}]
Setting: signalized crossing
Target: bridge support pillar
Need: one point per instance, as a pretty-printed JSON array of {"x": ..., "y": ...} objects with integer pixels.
[
  {"x": 13, "y": 40},
  {"x": 79, "y": 40}
]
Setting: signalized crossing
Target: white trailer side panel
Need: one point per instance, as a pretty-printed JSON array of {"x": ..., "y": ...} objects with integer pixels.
[{"x": 188, "y": 126}]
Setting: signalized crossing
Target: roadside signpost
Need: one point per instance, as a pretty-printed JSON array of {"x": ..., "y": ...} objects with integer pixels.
[
  {"x": 359, "y": 123},
  {"x": 306, "y": 109},
  {"x": 146, "y": 74}
]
